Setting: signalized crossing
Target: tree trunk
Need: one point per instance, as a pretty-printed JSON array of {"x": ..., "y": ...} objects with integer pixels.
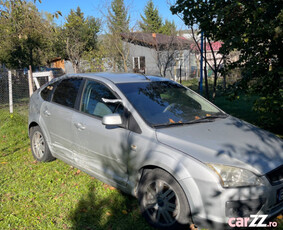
[
  {"x": 78, "y": 68},
  {"x": 75, "y": 66},
  {"x": 205, "y": 73},
  {"x": 125, "y": 66},
  {"x": 224, "y": 74},
  {"x": 180, "y": 74},
  {"x": 206, "y": 85},
  {"x": 224, "y": 81},
  {"x": 164, "y": 72},
  {"x": 31, "y": 58},
  {"x": 214, "y": 85}
]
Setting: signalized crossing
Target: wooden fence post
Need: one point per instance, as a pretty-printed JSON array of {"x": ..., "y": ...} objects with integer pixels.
[
  {"x": 10, "y": 91},
  {"x": 50, "y": 77}
]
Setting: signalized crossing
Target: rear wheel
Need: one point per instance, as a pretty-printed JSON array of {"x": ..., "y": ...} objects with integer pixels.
[
  {"x": 162, "y": 201},
  {"x": 39, "y": 147}
]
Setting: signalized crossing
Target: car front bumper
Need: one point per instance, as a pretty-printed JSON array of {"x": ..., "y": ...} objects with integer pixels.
[{"x": 212, "y": 205}]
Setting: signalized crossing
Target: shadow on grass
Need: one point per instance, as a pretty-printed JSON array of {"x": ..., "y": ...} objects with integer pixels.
[{"x": 114, "y": 211}]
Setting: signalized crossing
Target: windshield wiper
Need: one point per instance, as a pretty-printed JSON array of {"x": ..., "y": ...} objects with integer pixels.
[
  {"x": 168, "y": 124},
  {"x": 200, "y": 120},
  {"x": 213, "y": 117},
  {"x": 181, "y": 123}
]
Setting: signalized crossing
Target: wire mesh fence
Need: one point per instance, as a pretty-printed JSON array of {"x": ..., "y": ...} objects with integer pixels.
[
  {"x": 14, "y": 90},
  {"x": 4, "y": 90},
  {"x": 17, "y": 92}
]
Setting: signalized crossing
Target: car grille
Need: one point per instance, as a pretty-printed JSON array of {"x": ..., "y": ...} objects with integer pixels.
[{"x": 275, "y": 176}]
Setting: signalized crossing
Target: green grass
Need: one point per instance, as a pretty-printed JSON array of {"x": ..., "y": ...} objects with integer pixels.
[
  {"x": 54, "y": 195},
  {"x": 240, "y": 108}
]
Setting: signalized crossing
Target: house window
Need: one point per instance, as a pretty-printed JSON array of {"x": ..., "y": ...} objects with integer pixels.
[{"x": 139, "y": 64}]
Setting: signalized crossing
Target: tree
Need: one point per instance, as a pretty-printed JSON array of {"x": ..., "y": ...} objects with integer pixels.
[
  {"x": 170, "y": 51},
  {"x": 152, "y": 22},
  {"x": 118, "y": 22},
  {"x": 81, "y": 36},
  {"x": 168, "y": 28},
  {"x": 254, "y": 28},
  {"x": 24, "y": 34},
  {"x": 96, "y": 58},
  {"x": 214, "y": 64},
  {"x": 5, "y": 6},
  {"x": 166, "y": 56}
]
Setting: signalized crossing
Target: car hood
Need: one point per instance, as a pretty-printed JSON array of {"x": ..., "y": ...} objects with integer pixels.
[{"x": 228, "y": 141}]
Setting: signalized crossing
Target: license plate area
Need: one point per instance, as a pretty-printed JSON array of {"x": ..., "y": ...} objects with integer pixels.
[{"x": 279, "y": 195}]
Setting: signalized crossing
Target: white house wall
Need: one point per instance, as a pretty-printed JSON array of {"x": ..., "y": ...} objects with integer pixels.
[
  {"x": 151, "y": 67},
  {"x": 150, "y": 58}
]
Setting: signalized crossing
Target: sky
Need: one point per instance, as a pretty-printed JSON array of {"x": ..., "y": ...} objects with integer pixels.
[{"x": 98, "y": 8}]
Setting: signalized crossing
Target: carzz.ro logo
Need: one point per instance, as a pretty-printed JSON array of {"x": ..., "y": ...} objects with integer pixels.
[{"x": 252, "y": 221}]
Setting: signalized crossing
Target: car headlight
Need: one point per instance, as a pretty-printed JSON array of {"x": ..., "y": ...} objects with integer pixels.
[{"x": 235, "y": 177}]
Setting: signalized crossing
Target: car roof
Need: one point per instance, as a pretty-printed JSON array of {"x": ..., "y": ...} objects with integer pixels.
[{"x": 120, "y": 77}]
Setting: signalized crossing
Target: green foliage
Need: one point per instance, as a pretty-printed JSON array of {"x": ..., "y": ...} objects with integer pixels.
[
  {"x": 271, "y": 111},
  {"x": 117, "y": 22},
  {"x": 118, "y": 19},
  {"x": 96, "y": 58},
  {"x": 152, "y": 21},
  {"x": 57, "y": 43},
  {"x": 80, "y": 36},
  {"x": 25, "y": 35},
  {"x": 169, "y": 28},
  {"x": 254, "y": 29}
]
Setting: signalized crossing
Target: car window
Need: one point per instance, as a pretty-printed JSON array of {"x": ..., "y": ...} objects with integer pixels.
[
  {"x": 92, "y": 100},
  {"x": 166, "y": 103},
  {"x": 46, "y": 92},
  {"x": 66, "y": 92}
]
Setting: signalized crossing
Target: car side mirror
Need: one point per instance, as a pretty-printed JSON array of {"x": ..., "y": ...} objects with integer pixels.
[{"x": 112, "y": 119}]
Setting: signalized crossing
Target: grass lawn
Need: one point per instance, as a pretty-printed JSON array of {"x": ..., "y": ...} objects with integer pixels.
[
  {"x": 57, "y": 196},
  {"x": 54, "y": 195}
]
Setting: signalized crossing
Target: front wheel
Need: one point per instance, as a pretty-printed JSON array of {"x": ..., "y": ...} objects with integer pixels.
[
  {"x": 39, "y": 147},
  {"x": 162, "y": 201}
]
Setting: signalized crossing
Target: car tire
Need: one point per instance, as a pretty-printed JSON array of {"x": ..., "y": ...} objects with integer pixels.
[
  {"x": 39, "y": 146},
  {"x": 162, "y": 201}
]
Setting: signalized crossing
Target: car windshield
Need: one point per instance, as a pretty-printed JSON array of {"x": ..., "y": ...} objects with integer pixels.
[{"x": 165, "y": 103}]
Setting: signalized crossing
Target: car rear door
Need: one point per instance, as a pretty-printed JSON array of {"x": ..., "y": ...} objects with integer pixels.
[
  {"x": 57, "y": 117},
  {"x": 102, "y": 151}
]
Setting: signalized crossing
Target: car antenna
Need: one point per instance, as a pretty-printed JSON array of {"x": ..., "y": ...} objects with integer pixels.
[{"x": 146, "y": 77}]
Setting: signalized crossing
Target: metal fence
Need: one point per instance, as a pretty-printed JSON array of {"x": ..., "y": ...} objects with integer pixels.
[
  {"x": 14, "y": 88},
  {"x": 4, "y": 90}
]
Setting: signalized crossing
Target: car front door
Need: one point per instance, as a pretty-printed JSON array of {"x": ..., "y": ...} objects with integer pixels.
[
  {"x": 57, "y": 117},
  {"x": 103, "y": 151}
]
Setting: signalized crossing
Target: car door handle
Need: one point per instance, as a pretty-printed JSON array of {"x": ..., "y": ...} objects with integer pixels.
[
  {"x": 79, "y": 126},
  {"x": 47, "y": 113}
]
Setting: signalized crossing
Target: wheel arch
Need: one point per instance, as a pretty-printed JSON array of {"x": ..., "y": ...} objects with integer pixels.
[
  {"x": 31, "y": 125},
  {"x": 150, "y": 167},
  {"x": 147, "y": 168},
  {"x": 187, "y": 184},
  {"x": 42, "y": 127}
]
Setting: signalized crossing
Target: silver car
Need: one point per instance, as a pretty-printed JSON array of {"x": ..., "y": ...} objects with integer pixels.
[{"x": 185, "y": 160}]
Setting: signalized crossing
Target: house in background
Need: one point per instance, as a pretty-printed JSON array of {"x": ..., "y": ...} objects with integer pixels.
[
  {"x": 65, "y": 65},
  {"x": 159, "y": 54}
]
